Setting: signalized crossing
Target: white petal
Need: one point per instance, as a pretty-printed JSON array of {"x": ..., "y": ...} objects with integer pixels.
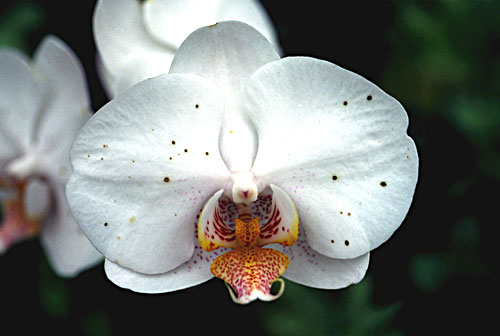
[
  {"x": 141, "y": 67},
  {"x": 68, "y": 250},
  {"x": 121, "y": 37},
  {"x": 20, "y": 100},
  {"x": 107, "y": 80},
  {"x": 144, "y": 165},
  {"x": 67, "y": 105},
  {"x": 307, "y": 267},
  {"x": 337, "y": 145},
  {"x": 172, "y": 21},
  {"x": 193, "y": 272},
  {"x": 228, "y": 53}
]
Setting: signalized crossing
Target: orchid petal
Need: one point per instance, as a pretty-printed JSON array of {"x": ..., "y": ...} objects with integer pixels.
[
  {"x": 193, "y": 272},
  {"x": 20, "y": 96},
  {"x": 68, "y": 108},
  {"x": 337, "y": 144},
  {"x": 144, "y": 165},
  {"x": 107, "y": 79},
  {"x": 309, "y": 268},
  {"x": 228, "y": 53},
  {"x": 121, "y": 37},
  {"x": 172, "y": 21},
  {"x": 68, "y": 250},
  {"x": 138, "y": 69}
]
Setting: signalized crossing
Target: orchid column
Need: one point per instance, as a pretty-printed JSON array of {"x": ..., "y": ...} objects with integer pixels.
[{"x": 236, "y": 148}]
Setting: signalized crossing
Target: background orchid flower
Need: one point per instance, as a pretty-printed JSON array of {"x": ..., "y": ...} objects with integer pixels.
[
  {"x": 318, "y": 153},
  {"x": 43, "y": 103},
  {"x": 138, "y": 39}
]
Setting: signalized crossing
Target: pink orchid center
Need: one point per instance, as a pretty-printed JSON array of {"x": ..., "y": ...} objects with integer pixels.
[
  {"x": 16, "y": 225},
  {"x": 249, "y": 269}
]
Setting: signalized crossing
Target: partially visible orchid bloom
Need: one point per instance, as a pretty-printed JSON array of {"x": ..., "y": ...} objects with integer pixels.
[
  {"x": 138, "y": 39},
  {"x": 188, "y": 175},
  {"x": 43, "y": 104}
]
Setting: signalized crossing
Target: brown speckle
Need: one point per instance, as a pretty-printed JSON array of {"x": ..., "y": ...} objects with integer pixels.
[
  {"x": 175, "y": 215},
  {"x": 197, "y": 106},
  {"x": 173, "y": 142},
  {"x": 332, "y": 241},
  {"x": 348, "y": 214},
  {"x": 166, "y": 180},
  {"x": 88, "y": 155},
  {"x": 346, "y": 243},
  {"x": 369, "y": 97},
  {"x": 105, "y": 146},
  {"x": 185, "y": 150},
  {"x": 383, "y": 184},
  {"x": 170, "y": 158},
  {"x": 206, "y": 153},
  {"x": 345, "y": 103},
  {"x": 106, "y": 224},
  {"x": 133, "y": 161},
  {"x": 152, "y": 130},
  {"x": 102, "y": 159},
  {"x": 118, "y": 237},
  {"x": 334, "y": 177}
]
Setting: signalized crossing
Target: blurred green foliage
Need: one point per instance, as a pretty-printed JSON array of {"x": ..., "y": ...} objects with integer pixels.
[
  {"x": 17, "y": 22},
  {"x": 54, "y": 291},
  {"x": 307, "y": 311}
]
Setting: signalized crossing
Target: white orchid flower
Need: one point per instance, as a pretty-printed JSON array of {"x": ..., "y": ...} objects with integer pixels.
[
  {"x": 137, "y": 39},
  {"x": 43, "y": 103},
  {"x": 233, "y": 133}
]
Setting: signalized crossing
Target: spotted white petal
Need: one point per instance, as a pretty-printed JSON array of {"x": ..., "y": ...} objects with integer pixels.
[
  {"x": 121, "y": 38},
  {"x": 171, "y": 21},
  {"x": 310, "y": 268},
  {"x": 228, "y": 53},
  {"x": 336, "y": 144},
  {"x": 68, "y": 250},
  {"x": 20, "y": 96},
  {"x": 66, "y": 107},
  {"x": 144, "y": 165}
]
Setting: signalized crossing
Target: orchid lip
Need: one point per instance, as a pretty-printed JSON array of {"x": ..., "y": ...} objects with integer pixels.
[{"x": 249, "y": 270}]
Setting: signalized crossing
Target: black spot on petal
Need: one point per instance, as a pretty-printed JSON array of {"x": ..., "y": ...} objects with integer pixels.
[
  {"x": 166, "y": 180},
  {"x": 369, "y": 97},
  {"x": 383, "y": 184},
  {"x": 346, "y": 243}
]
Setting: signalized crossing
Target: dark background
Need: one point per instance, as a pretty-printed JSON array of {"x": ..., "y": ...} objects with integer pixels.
[{"x": 441, "y": 60}]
